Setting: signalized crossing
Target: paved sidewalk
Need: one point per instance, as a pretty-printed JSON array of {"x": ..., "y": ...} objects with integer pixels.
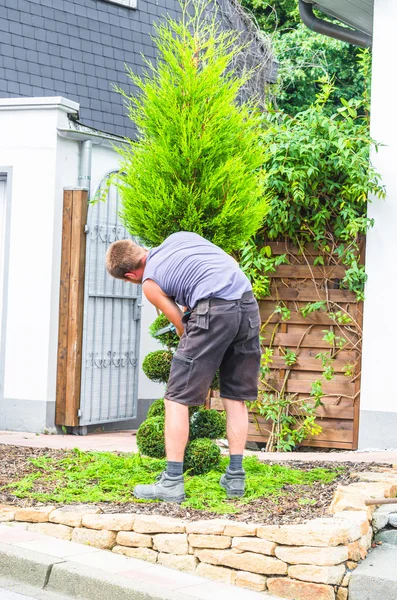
[
  {"x": 81, "y": 571},
  {"x": 125, "y": 441}
]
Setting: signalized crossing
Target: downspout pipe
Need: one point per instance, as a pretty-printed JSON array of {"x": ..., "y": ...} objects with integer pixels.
[
  {"x": 85, "y": 165},
  {"x": 351, "y": 36}
]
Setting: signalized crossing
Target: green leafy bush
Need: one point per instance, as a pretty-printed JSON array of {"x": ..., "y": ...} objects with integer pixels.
[
  {"x": 197, "y": 162},
  {"x": 169, "y": 339},
  {"x": 209, "y": 424},
  {"x": 157, "y": 409},
  {"x": 202, "y": 455},
  {"x": 157, "y": 365},
  {"x": 150, "y": 437}
]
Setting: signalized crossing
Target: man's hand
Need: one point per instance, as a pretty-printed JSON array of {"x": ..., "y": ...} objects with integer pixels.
[{"x": 156, "y": 296}]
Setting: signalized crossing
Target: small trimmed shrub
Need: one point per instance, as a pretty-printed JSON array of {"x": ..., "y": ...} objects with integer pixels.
[
  {"x": 150, "y": 437},
  {"x": 208, "y": 424},
  {"x": 201, "y": 456},
  {"x": 157, "y": 409},
  {"x": 170, "y": 339},
  {"x": 157, "y": 365}
]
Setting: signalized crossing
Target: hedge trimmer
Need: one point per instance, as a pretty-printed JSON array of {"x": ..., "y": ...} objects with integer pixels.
[{"x": 170, "y": 328}]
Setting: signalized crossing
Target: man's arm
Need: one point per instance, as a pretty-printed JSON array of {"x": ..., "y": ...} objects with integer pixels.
[{"x": 156, "y": 296}]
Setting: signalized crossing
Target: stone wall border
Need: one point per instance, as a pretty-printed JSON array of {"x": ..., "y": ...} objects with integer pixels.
[{"x": 310, "y": 561}]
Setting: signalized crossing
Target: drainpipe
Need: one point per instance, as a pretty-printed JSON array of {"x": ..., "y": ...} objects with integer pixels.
[
  {"x": 85, "y": 165},
  {"x": 351, "y": 36}
]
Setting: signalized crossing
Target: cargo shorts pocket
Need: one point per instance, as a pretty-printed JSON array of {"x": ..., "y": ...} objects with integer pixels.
[
  {"x": 202, "y": 312},
  {"x": 181, "y": 369},
  {"x": 254, "y": 324}
]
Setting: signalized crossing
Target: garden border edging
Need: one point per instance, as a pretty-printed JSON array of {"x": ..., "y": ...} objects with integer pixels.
[{"x": 302, "y": 561}]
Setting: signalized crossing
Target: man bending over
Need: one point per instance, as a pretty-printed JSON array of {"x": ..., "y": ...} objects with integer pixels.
[{"x": 220, "y": 330}]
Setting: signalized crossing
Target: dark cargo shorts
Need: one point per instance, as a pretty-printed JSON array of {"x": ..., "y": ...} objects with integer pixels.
[{"x": 219, "y": 334}]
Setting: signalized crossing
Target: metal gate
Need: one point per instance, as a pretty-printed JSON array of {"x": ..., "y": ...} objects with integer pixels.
[{"x": 111, "y": 330}]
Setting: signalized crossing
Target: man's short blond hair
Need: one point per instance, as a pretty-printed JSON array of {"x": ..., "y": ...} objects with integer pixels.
[{"x": 123, "y": 256}]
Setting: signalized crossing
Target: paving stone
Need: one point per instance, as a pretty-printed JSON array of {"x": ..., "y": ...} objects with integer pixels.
[
  {"x": 258, "y": 545},
  {"x": 62, "y": 532},
  {"x": 298, "y": 590},
  {"x": 240, "y": 529},
  {"x": 141, "y": 553},
  {"x": 111, "y": 522},
  {"x": 219, "y": 542},
  {"x": 134, "y": 540},
  {"x": 217, "y": 573},
  {"x": 211, "y": 527},
  {"x": 72, "y": 515},
  {"x": 105, "y": 540},
  {"x": 171, "y": 543},
  {"x": 34, "y": 515},
  {"x": 185, "y": 563},
  {"x": 158, "y": 524},
  {"x": 305, "y": 555},
  {"x": 250, "y": 581},
  {"x": 376, "y": 577},
  {"x": 246, "y": 561},
  {"x": 387, "y": 536},
  {"x": 319, "y": 532},
  {"x": 7, "y": 513},
  {"x": 329, "y": 575}
]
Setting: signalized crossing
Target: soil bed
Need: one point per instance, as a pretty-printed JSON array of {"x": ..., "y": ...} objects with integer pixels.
[{"x": 296, "y": 503}]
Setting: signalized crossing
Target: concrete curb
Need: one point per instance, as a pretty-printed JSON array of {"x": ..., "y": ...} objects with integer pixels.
[{"x": 60, "y": 577}]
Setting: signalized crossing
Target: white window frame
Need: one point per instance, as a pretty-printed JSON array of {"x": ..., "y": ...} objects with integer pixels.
[
  {"x": 126, "y": 3},
  {"x": 5, "y": 221}
]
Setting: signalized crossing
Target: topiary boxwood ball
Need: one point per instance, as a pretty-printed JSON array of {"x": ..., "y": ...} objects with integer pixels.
[
  {"x": 169, "y": 339},
  {"x": 208, "y": 424},
  {"x": 157, "y": 365},
  {"x": 150, "y": 437},
  {"x": 201, "y": 456},
  {"x": 157, "y": 409}
]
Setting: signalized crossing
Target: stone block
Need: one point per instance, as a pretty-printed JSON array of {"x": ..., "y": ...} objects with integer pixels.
[
  {"x": 381, "y": 516},
  {"x": 258, "y": 545},
  {"x": 240, "y": 529},
  {"x": 354, "y": 551},
  {"x": 72, "y": 515},
  {"x": 171, "y": 543},
  {"x": 376, "y": 477},
  {"x": 387, "y": 536},
  {"x": 314, "y": 574},
  {"x": 134, "y": 540},
  {"x": 7, "y": 513},
  {"x": 186, "y": 563},
  {"x": 219, "y": 542},
  {"x": 304, "y": 555},
  {"x": 393, "y": 520},
  {"x": 374, "y": 490},
  {"x": 298, "y": 590},
  {"x": 62, "y": 532},
  {"x": 365, "y": 543},
  {"x": 141, "y": 553},
  {"x": 346, "y": 579},
  {"x": 34, "y": 515},
  {"x": 250, "y": 581},
  {"x": 319, "y": 532},
  {"x": 105, "y": 540},
  {"x": 359, "y": 517},
  {"x": 110, "y": 522},
  {"x": 246, "y": 561},
  {"x": 341, "y": 594},
  {"x": 211, "y": 527},
  {"x": 351, "y": 565},
  {"x": 217, "y": 573},
  {"x": 157, "y": 524}
]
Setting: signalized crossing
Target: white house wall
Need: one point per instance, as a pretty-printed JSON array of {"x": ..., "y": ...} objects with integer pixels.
[
  {"x": 378, "y": 426},
  {"x": 43, "y": 163}
]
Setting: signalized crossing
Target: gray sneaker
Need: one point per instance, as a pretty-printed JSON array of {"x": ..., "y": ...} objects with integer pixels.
[
  {"x": 167, "y": 488},
  {"x": 234, "y": 483}
]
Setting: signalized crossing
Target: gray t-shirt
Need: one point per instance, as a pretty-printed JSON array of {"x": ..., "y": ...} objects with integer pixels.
[{"x": 188, "y": 268}]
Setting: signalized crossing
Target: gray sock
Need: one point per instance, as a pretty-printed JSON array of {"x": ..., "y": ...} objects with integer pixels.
[
  {"x": 236, "y": 462},
  {"x": 174, "y": 469}
]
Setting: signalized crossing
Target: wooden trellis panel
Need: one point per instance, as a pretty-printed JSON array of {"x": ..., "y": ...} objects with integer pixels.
[{"x": 294, "y": 286}]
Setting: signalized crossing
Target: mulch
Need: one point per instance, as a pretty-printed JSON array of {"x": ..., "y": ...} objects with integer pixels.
[{"x": 283, "y": 510}]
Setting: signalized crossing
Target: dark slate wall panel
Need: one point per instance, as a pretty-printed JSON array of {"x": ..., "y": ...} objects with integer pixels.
[{"x": 77, "y": 49}]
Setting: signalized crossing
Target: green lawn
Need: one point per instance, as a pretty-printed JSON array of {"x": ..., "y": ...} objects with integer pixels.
[{"x": 86, "y": 477}]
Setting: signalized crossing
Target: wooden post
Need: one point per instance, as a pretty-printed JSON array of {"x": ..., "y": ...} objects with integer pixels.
[{"x": 71, "y": 306}]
